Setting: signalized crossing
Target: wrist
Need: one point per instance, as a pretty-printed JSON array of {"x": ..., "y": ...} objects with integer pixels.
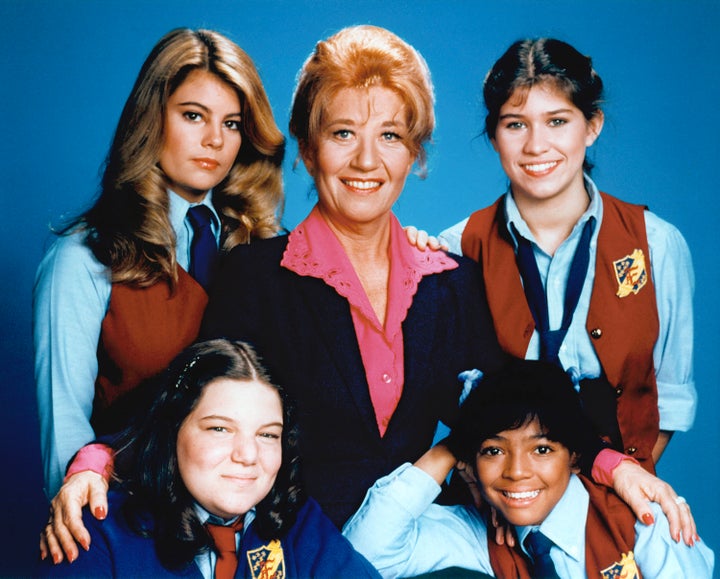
[
  {"x": 605, "y": 464},
  {"x": 97, "y": 458}
]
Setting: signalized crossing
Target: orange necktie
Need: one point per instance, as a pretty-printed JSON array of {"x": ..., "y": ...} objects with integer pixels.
[{"x": 224, "y": 538}]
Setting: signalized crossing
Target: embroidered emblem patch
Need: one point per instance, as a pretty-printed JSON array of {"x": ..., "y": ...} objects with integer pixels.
[
  {"x": 625, "y": 569},
  {"x": 268, "y": 561},
  {"x": 630, "y": 273}
]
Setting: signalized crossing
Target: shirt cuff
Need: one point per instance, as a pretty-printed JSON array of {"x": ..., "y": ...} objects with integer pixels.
[
  {"x": 677, "y": 404},
  {"x": 98, "y": 458},
  {"x": 605, "y": 464}
]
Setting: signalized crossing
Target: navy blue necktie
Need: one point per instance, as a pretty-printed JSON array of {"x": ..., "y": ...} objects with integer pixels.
[
  {"x": 551, "y": 340},
  {"x": 203, "y": 250},
  {"x": 538, "y": 545}
]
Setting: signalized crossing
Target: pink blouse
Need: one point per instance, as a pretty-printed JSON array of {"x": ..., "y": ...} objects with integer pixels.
[{"x": 313, "y": 250}]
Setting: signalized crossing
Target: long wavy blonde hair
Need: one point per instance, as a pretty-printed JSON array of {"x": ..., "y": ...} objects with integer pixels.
[{"x": 128, "y": 227}]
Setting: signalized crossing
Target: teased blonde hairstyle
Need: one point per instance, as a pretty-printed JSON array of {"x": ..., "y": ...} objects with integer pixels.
[
  {"x": 129, "y": 227},
  {"x": 364, "y": 57}
]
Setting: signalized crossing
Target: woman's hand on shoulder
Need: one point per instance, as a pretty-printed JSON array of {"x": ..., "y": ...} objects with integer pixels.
[
  {"x": 65, "y": 526},
  {"x": 420, "y": 239},
  {"x": 638, "y": 488}
]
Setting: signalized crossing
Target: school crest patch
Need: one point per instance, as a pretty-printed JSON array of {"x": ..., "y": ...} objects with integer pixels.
[
  {"x": 631, "y": 273},
  {"x": 625, "y": 569},
  {"x": 268, "y": 561}
]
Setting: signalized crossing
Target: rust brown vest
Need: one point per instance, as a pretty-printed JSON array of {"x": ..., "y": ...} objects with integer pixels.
[
  {"x": 143, "y": 330},
  {"x": 609, "y": 535},
  {"x": 623, "y": 330}
]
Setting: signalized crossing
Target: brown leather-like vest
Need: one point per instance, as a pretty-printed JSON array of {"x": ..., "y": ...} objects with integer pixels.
[
  {"x": 623, "y": 330},
  {"x": 609, "y": 535},
  {"x": 143, "y": 330}
]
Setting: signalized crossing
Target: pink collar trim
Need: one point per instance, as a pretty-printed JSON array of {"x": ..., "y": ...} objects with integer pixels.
[{"x": 314, "y": 251}]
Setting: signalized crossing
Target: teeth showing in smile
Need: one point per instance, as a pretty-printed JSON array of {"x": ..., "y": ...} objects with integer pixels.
[
  {"x": 521, "y": 496},
  {"x": 362, "y": 184},
  {"x": 540, "y": 167}
]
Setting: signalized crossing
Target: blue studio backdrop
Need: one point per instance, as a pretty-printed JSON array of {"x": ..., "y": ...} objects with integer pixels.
[{"x": 67, "y": 67}]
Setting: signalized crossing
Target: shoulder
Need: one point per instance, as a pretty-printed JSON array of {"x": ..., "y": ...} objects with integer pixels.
[
  {"x": 658, "y": 555},
  {"x": 71, "y": 251},
  {"x": 249, "y": 267},
  {"x": 71, "y": 266},
  {"x": 664, "y": 236},
  {"x": 259, "y": 250},
  {"x": 321, "y": 550},
  {"x": 463, "y": 277}
]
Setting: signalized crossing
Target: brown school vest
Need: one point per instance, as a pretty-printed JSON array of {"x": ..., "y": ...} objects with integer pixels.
[
  {"x": 623, "y": 330},
  {"x": 143, "y": 330},
  {"x": 609, "y": 539}
]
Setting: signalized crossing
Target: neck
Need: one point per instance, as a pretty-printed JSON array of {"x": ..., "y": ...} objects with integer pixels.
[
  {"x": 363, "y": 242},
  {"x": 367, "y": 246},
  {"x": 552, "y": 220}
]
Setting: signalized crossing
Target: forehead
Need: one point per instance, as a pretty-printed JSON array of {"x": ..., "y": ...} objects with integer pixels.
[
  {"x": 242, "y": 400},
  {"x": 202, "y": 84},
  {"x": 360, "y": 105},
  {"x": 544, "y": 96},
  {"x": 531, "y": 429}
]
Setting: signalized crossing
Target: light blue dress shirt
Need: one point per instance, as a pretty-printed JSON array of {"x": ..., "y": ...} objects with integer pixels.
[
  {"x": 70, "y": 299},
  {"x": 674, "y": 282},
  {"x": 403, "y": 533}
]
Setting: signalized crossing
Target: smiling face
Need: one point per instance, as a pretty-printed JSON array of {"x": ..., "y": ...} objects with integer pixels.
[
  {"x": 361, "y": 159},
  {"x": 229, "y": 448},
  {"x": 542, "y": 138},
  {"x": 523, "y": 474},
  {"x": 201, "y": 134}
]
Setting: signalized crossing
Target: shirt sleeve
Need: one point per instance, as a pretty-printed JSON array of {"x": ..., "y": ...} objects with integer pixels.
[
  {"x": 674, "y": 281},
  {"x": 452, "y": 237},
  {"x": 70, "y": 300},
  {"x": 659, "y": 557},
  {"x": 403, "y": 533}
]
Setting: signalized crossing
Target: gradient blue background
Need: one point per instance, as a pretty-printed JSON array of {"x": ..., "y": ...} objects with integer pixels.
[{"x": 67, "y": 67}]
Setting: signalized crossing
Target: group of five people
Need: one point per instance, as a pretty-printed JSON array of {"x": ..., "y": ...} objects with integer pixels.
[{"x": 365, "y": 331}]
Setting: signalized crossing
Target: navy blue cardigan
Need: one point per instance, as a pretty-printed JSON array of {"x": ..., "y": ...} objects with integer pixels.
[
  {"x": 313, "y": 547},
  {"x": 304, "y": 332}
]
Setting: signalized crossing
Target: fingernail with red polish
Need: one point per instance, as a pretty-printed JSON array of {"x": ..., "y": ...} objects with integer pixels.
[
  {"x": 100, "y": 513},
  {"x": 56, "y": 559},
  {"x": 84, "y": 545},
  {"x": 648, "y": 519}
]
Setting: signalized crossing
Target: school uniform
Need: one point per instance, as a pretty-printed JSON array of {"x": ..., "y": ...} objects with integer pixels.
[
  {"x": 96, "y": 341},
  {"x": 402, "y": 532},
  {"x": 312, "y": 547},
  {"x": 635, "y": 333}
]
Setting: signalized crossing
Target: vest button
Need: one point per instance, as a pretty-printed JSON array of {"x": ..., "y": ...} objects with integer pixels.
[
  {"x": 631, "y": 450},
  {"x": 618, "y": 391},
  {"x": 596, "y": 333}
]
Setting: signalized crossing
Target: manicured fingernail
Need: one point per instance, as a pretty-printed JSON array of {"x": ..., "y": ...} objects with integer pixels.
[
  {"x": 100, "y": 513},
  {"x": 648, "y": 519},
  {"x": 56, "y": 559},
  {"x": 697, "y": 538},
  {"x": 677, "y": 537},
  {"x": 84, "y": 545}
]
